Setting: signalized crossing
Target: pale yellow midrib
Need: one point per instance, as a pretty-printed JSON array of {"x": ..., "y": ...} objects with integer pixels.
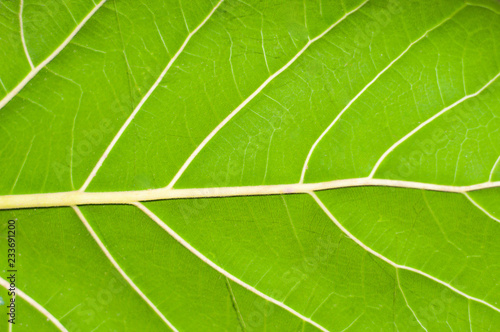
[{"x": 125, "y": 197}]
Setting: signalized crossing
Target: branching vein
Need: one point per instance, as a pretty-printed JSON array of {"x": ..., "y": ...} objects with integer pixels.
[
  {"x": 4, "y": 283},
  {"x": 219, "y": 269},
  {"x": 58, "y": 50},
  {"x": 253, "y": 95},
  {"x": 143, "y": 100},
  {"x": 119, "y": 269},
  {"x": 23, "y": 40},
  {"x": 497, "y": 162},
  {"x": 395, "y": 265},
  {"x": 304, "y": 168},
  {"x": 406, "y": 301},
  {"x": 423, "y": 124},
  {"x": 481, "y": 208}
]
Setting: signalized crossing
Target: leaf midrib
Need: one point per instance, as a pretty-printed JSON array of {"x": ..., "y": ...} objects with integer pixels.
[{"x": 69, "y": 198}]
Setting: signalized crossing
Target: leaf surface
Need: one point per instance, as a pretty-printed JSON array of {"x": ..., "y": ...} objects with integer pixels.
[{"x": 283, "y": 166}]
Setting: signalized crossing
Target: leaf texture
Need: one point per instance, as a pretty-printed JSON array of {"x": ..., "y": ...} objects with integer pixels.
[{"x": 237, "y": 165}]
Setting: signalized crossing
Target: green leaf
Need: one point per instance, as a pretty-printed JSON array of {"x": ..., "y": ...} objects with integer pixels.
[{"x": 198, "y": 165}]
